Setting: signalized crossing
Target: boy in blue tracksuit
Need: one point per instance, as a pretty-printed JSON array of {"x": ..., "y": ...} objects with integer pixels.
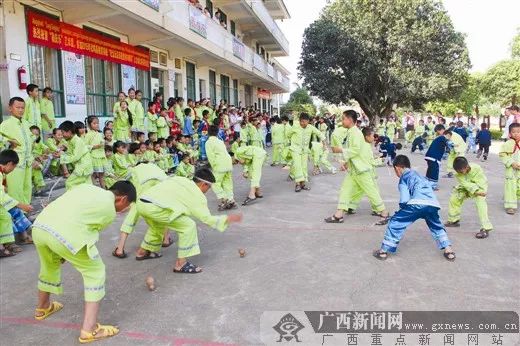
[
  {"x": 483, "y": 140},
  {"x": 434, "y": 155},
  {"x": 419, "y": 143},
  {"x": 417, "y": 201}
]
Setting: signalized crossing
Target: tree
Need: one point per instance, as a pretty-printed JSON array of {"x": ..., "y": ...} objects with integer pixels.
[
  {"x": 515, "y": 46},
  {"x": 383, "y": 53},
  {"x": 299, "y": 101},
  {"x": 501, "y": 83}
]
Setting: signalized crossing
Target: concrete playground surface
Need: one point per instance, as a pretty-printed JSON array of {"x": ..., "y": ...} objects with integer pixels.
[{"x": 294, "y": 261}]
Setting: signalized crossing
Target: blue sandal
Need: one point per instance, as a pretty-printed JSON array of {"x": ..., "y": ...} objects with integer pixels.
[{"x": 188, "y": 268}]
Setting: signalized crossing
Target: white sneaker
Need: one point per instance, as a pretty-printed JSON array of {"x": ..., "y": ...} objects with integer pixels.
[{"x": 333, "y": 170}]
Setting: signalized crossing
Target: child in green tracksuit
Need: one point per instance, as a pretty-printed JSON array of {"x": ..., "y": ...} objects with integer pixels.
[
  {"x": 68, "y": 230},
  {"x": 185, "y": 168},
  {"x": 252, "y": 158},
  {"x": 391, "y": 127},
  {"x": 360, "y": 172},
  {"x": 55, "y": 145},
  {"x": 278, "y": 140},
  {"x": 77, "y": 153},
  {"x": 429, "y": 129},
  {"x": 320, "y": 157},
  {"x": 381, "y": 128},
  {"x": 458, "y": 149},
  {"x": 40, "y": 156},
  {"x": 143, "y": 177},
  {"x": 110, "y": 174},
  {"x": 8, "y": 161},
  {"x": 472, "y": 183},
  {"x": 510, "y": 156},
  {"x": 338, "y": 140},
  {"x": 172, "y": 204},
  {"x": 120, "y": 161},
  {"x": 300, "y": 138},
  {"x": 222, "y": 168}
]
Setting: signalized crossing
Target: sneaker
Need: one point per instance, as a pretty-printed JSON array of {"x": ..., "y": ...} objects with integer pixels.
[
  {"x": 479, "y": 153},
  {"x": 485, "y": 157}
]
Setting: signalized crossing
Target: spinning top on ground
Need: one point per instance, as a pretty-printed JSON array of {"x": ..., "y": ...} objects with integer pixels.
[
  {"x": 150, "y": 283},
  {"x": 242, "y": 252}
]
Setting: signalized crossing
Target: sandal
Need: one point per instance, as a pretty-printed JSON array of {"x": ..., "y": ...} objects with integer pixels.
[
  {"x": 306, "y": 188},
  {"x": 12, "y": 247},
  {"x": 231, "y": 205},
  {"x": 259, "y": 195},
  {"x": 351, "y": 211},
  {"x": 384, "y": 220},
  {"x": 484, "y": 233},
  {"x": 169, "y": 243},
  {"x": 249, "y": 201},
  {"x": 380, "y": 255},
  {"x": 122, "y": 255},
  {"x": 149, "y": 255},
  {"x": 374, "y": 213},
  {"x": 510, "y": 211},
  {"x": 6, "y": 253},
  {"x": 452, "y": 224},
  {"x": 54, "y": 307},
  {"x": 106, "y": 331},
  {"x": 334, "y": 219},
  {"x": 450, "y": 256},
  {"x": 297, "y": 188},
  {"x": 188, "y": 268}
]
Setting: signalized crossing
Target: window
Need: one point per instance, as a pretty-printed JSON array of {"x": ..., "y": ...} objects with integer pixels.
[
  {"x": 235, "y": 92},
  {"x": 223, "y": 17},
  {"x": 248, "y": 95},
  {"x": 213, "y": 87},
  {"x": 202, "y": 89},
  {"x": 143, "y": 84},
  {"x": 190, "y": 81},
  {"x": 46, "y": 71},
  {"x": 224, "y": 88},
  {"x": 178, "y": 84},
  {"x": 209, "y": 6},
  {"x": 103, "y": 82},
  {"x": 233, "y": 27}
]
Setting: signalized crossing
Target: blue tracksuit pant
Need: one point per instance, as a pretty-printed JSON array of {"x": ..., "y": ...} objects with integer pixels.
[{"x": 408, "y": 215}]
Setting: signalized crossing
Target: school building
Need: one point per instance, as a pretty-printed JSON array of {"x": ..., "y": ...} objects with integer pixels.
[{"x": 89, "y": 50}]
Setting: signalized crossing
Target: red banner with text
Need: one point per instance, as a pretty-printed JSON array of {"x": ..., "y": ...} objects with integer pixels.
[{"x": 52, "y": 33}]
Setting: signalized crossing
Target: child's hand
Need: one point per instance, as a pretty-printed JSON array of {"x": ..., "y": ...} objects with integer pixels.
[
  {"x": 481, "y": 194},
  {"x": 25, "y": 207},
  {"x": 234, "y": 218},
  {"x": 516, "y": 165}
]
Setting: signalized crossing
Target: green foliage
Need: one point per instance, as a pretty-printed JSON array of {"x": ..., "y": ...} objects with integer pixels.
[
  {"x": 496, "y": 134},
  {"x": 384, "y": 52},
  {"x": 515, "y": 46},
  {"x": 502, "y": 82},
  {"x": 299, "y": 101}
]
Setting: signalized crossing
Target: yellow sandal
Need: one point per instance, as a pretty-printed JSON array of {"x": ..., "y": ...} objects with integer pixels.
[
  {"x": 93, "y": 336},
  {"x": 54, "y": 307}
]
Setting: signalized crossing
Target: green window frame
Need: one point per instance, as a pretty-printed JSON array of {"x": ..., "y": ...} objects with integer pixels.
[
  {"x": 213, "y": 87},
  {"x": 190, "y": 81},
  {"x": 103, "y": 83},
  {"x": 232, "y": 26},
  {"x": 235, "y": 92},
  {"x": 224, "y": 88}
]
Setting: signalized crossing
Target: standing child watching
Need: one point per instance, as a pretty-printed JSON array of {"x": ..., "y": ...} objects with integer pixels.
[
  {"x": 152, "y": 119},
  {"x": 252, "y": 158},
  {"x": 278, "y": 140},
  {"x": 8, "y": 161},
  {"x": 122, "y": 123},
  {"x": 47, "y": 112},
  {"x": 483, "y": 140},
  {"x": 472, "y": 134},
  {"x": 510, "y": 156},
  {"x": 95, "y": 140},
  {"x": 417, "y": 201},
  {"x": 120, "y": 161},
  {"x": 32, "y": 113},
  {"x": 472, "y": 183},
  {"x": 76, "y": 154},
  {"x": 434, "y": 155},
  {"x": 109, "y": 136},
  {"x": 40, "y": 156}
]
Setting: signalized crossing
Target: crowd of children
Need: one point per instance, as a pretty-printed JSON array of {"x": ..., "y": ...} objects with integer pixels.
[{"x": 125, "y": 166}]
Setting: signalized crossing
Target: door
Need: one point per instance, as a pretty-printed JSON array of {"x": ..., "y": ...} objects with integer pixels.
[{"x": 190, "y": 81}]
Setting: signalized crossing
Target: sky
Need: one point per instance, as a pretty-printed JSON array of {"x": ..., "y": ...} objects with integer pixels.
[{"x": 489, "y": 25}]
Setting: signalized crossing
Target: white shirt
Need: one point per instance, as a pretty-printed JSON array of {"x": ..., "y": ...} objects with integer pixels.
[
  {"x": 509, "y": 121},
  {"x": 235, "y": 121}
]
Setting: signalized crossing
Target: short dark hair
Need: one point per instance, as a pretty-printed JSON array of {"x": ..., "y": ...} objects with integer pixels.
[
  {"x": 213, "y": 130},
  {"x": 515, "y": 108},
  {"x": 9, "y": 156},
  {"x": 46, "y": 89},
  {"x": 187, "y": 111},
  {"x": 31, "y": 87},
  {"x": 402, "y": 161},
  {"x": 367, "y": 131},
  {"x": 108, "y": 148},
  {"x": 513, "y": 126},
  {"x": 67, "y": 126},
  {"x": 304, "y": 116},
  {"x": 448, "y": 132},
  {"x": 205, "y": 112},
  {"x": 399, "y": 146},
  {"x": 460, "y": 163},
  {"x": 351, "y": 114},
  {"x": 438, "y": 128},
  {"x": 204, "y": 173},
  {"x": 460, "y": 123},
  {"x": 124, "y": 188},
  {"x": 15, "y": 99},
  {"x": 134, "y": 147},
  {"x": 139, "y": 134},
  {"x": 483, "y": 126},
  {"x": 118, "y": 144}
]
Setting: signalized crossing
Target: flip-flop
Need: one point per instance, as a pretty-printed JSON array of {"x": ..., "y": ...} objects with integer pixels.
[
  {"x": 334, "y": 219},
  {"x": 188, "y": 268},
  {"x": 297, "y": 188},
  {"x": 306, "y": 188},
  {"x": 383, "y": 221},
  {"x": 447, "y": 256},
  {"x": 379, "y": 255},
  {"x": 149, "y": 255},
  {"x": 54, "y": 307},
  {"x": 93, "y": 336},
  {"x": 6, "y": 253},
  {"x": 483, "y": 234},
  {"x": 115, "y": 254},
  {"x": 249, "y": 201},
  {"x": 13, "y": 248}
]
